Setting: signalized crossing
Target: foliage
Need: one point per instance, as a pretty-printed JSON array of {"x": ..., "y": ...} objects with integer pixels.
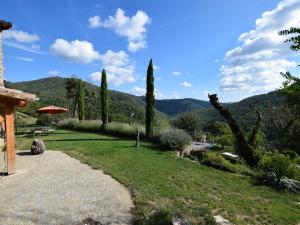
[
  {"x": 90, "y": 100},
  {"x": 84, "y": 125},
  {"x": 46, "y": 120},
  {"x": 104, "y": 102},
  {"x": 71, "y": 87},
  {"x": 158, "y": 217},
  {"x": 175, "y": 107},
  {"x": 291, "y": 91},
  {"x": 159, "y": 179},
  {"x": 80, "y": 100},
  {"x": 278, "y": 171},
  {"x": 244, "y": 147},
  {"x": 188, "y": 121},
  {"x": 119, "y": 102},
  {"x": 215, "y": 160},
  {"x": 221, "y": 130},
  {"x": 175, "y": 139},
  {"x": 294, "y": 39},
  {"x": 150, "y": 101}
]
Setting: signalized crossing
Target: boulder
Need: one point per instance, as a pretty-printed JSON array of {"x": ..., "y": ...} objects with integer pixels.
[{"x": 37, "y": 147}]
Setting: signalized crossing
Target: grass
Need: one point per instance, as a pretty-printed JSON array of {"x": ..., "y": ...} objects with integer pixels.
[{"x": 158, "y": 178}]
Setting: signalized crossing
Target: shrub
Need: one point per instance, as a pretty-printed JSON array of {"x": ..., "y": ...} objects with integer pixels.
[
  {"x": 46, "y": 120},
  {"x": 278, "y": 171},
  {"x": 160, "y": 217},
  {"x": 85, "y": 125},
  {"x": 215, "y": 160},
  {"x": 124, "y": 129},
  {"x": 175, "y": 139}
]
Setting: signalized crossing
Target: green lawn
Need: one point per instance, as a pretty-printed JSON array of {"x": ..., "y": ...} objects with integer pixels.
[{"x": 158, "y": 178}]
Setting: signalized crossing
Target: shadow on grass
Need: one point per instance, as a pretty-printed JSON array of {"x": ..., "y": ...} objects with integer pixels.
[{"x": 83, "y": 139}]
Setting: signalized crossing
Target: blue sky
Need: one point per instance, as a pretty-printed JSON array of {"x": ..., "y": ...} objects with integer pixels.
[{"x": 226, "y": 47}]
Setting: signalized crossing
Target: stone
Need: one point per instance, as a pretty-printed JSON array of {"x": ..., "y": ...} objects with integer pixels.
[
  {"x": 179, "y": 220},
  {"x": 37, "y": 147},
  {"x": 221, "y": 220}
]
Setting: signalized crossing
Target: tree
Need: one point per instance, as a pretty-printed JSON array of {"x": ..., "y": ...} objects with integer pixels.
[
  {"x": 71, "y": 86},
  {"x": 221, "y": 130},
  {"x": 104, "y": 103},
  {"x": 150, "y": 101},
  {"x": 90, "y": 102},
  {"x": 188, "y": 121},
  {"x": 244, "y": 147},
  {"x": 80, "y": 100},
  {"x": 287, "y": 126},
  {"x": 294, "y": 39}
]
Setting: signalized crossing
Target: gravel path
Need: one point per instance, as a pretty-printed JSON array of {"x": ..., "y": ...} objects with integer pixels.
[{"x": 54, "y": 188}]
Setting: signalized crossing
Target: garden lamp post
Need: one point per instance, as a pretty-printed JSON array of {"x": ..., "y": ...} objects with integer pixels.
[{"x": 4, "y": 25}]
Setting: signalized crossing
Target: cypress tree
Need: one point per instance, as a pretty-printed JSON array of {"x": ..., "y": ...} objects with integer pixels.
[
  {"x": 80, "y": 100},
  {"x": 150, "y": 101},
  {"x": 104, "y": 103}
]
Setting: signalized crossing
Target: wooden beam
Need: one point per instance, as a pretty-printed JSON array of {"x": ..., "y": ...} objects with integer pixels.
[
  {"x": 16, "y": 94},
  {"x": 10, "y": 139}
]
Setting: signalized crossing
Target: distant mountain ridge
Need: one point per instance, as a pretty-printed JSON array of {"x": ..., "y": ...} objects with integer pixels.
[
  {"x": 173, "y": 107},
  {"x": 51, "y": 90}
]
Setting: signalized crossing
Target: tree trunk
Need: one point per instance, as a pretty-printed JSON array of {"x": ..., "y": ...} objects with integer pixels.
[{"x": 244, "y": 149}]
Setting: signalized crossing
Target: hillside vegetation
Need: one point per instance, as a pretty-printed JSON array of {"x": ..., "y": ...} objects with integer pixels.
[{"x": 51, "y": 90}]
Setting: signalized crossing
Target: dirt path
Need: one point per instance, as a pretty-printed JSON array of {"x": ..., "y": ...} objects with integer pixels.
[{"x": 54, "y": 188}]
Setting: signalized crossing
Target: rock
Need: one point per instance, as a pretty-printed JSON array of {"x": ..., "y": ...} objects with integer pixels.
[
  {"x": 187, "y": 151},
  {"x": 37, "y": 147},
  {"x": 179, "y": 220},
  {"x": 221, "y": 220}
]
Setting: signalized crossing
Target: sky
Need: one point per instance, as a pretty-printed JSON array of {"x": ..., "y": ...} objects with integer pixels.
[{"x": 231, "y": 47}]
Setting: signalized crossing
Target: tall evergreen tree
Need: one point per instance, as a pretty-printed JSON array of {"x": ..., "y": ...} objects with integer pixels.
[
  {"x": 71, "y": 86},
  {"x": 104, "y": 103},
  {"x": 80, "y": 100},
  {"x": 150, "y": 101}
]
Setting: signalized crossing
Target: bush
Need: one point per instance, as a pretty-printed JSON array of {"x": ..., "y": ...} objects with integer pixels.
[
  {"x": 215, "y": 160},
  {"x": 46, "y": 120},
  {"x": 159, "y": 217},
  {"x": 278, "y": 171},
  {"x": 175, "y": 139},
  {"x": 85, "y": 125}
]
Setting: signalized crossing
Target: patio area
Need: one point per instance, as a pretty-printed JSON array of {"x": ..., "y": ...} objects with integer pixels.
[{"x": 53, "y": 188}]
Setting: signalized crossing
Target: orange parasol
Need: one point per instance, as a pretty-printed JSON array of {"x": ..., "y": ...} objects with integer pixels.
[{"x": 52, "y": 109}]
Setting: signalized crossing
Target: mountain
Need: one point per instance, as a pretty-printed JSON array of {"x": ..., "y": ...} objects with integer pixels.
[
  {"x": 52, "y": 91},
  {"x": 173, "y": 107}
]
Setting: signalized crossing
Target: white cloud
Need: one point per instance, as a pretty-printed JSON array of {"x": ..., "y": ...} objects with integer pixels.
[
  {"x": 25, "y": 59},
  {"x": 53, "y": 73},
  {"x": 158, "y": 78},
  {"x": 134, "y": 28},
  {"x": 95, "y": 22},
  {"x": 155, "y": 67},
  {"x": 75, "y": 51},
  {"x": 176, "y": 96},
  {"x": 176, "y": 73},
  {"x": 254, "y": 66},
  {"x": 20, "y": 36},
  {"x": 119, "y": 68},
  {"x": 138, "y": 91},
  {"x": 22, "y": 40},
  {"x": 186, "y": 84}
]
